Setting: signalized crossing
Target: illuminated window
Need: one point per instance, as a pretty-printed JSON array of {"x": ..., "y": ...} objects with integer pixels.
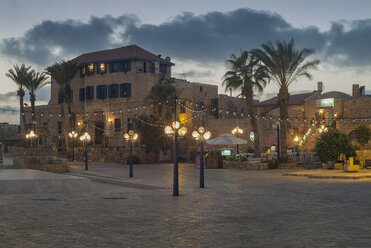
[
  {"x": 90, "y": 68},
  {"x": 102, "y": 67}
]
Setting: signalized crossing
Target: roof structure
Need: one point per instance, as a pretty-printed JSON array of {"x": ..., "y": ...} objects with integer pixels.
[
  {"x": 132, "y": 52},
  {"x": 333, "y": 94},
  {"x": 296, "y": 99}
]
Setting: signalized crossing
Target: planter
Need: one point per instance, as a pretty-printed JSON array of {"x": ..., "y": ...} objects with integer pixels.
[
  {"x": 330, "y": 165},
  {"x": 351, "y": 168},
  {"x": 214, "y": 162},
  {"x": 338, "y": 166}
]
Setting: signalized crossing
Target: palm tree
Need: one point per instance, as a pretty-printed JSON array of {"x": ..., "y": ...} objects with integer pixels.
[
  {"x": 38, "y": 80},
  {"x": 247, "y": 75},
  {"x": 285, "y": 65},
  {"x": 21, "y": 76},
  {"x": 63, "y": 72}
]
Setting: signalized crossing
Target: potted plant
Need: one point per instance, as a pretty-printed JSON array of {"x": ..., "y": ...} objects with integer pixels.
[{"x": 330, "y": 145}]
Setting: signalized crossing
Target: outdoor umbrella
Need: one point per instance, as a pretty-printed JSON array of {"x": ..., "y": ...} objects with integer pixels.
[{"x": 227, "y": 139}]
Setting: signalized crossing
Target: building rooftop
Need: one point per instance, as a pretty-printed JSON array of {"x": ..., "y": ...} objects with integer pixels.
[
  {"x": 333, "y": 94},
  {"x": 132, "y": 52},
  {"x": 294, "y": 99}
]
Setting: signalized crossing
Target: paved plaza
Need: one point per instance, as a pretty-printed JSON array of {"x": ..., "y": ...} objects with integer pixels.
[{"x": 238, "y": 208}]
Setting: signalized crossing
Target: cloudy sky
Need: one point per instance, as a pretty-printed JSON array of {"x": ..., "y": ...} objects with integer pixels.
[{"x": 198, "y": 35}]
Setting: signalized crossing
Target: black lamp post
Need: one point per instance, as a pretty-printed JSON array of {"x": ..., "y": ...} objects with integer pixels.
[
  {"x": 237, "y": 130},
  {"x": 73, "y": 135},
  {"x": 175, "y": 130},
  {"x": 85, "y": 138},
  {"x": 201, "y": 135},
  {"x": 131, "y": 137}
]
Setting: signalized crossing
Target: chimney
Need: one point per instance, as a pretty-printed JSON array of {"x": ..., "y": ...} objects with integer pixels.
[
  {"x": 319, "y": 86},
  {"x": 355, "y": 91}
]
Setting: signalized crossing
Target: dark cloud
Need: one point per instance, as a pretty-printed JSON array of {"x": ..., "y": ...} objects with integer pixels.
[
  {"x": 12, "y": 95},
  {"x": 42, "y": 95},
  {"x": 204, "y": 38}
]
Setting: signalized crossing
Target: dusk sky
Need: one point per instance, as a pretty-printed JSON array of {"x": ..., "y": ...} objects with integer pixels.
[{"x": 198, "y": 36}]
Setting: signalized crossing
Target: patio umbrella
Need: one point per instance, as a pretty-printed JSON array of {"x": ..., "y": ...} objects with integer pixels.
[
  {"x": 208, "y": 148},
  {"x": 227, "y": 139}
]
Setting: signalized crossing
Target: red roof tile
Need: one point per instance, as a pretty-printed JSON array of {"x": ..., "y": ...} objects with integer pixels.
[
  {"x": 294, "y": 99},
  {"x": 127, "y": 52}
]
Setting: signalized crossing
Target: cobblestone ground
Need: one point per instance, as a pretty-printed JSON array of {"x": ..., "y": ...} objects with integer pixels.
[{"x": 236, "y": 209}]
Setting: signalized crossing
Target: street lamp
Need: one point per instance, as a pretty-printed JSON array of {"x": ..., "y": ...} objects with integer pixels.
[
  {"x": 131, "y": 137},
  {"x": 200, "y": 135},
  {"x": 175, "y": 130},
  {"x": 85, "y": 138},
  {"x": 73, "y": 135},
  {"x": 31, "y": 135},
  {"x": 277, "y": 125},
  {"x": 237, "y": 130}
]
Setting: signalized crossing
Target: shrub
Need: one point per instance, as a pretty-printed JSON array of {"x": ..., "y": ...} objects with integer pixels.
[
  {"x": 331, "y": 144},
  {"x": 136, "y": 160},
  {"x": 363, "y": 134}
]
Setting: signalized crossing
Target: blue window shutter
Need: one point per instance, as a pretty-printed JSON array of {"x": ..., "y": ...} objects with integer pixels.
[
  {"x": 104, "y": 91},
  {"x": 121, "y": 90},
  {"x": 128, "y": 64},
  {"x": 92, "y": 92},
  {"x": 98, "y": 68},
  {"x": 81, "y": 75},
  {"x": 110, "y": 91},
  {"x": 122, "y": 66},
  {"x": 82, "y": 94},
  {"x": 110, "y": 67},
  {"x": 128, "y": 90}
]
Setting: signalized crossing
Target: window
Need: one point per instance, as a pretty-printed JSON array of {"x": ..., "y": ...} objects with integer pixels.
[
  {"x": 90, "y": 69},
  {"x": 130, "y": 124},
  {"x": 82, "y": 71},
  {"x": 113, "y": 91},
  {"x": 125, "y": 90},
  {"x": 125, "y": 66},
  {"x": 114, "y": 67},
  {"x": 200, "y": 88},
  {"x": 163, "y": 69},
  {"x": 144, "y": 67},
  {"x": 101, "y": 68},
  {"x": 118, "y": 125},
  {"x": 101, "y": 91},
  {"x": 89, "y": 93},
  {"x": 59, "y": 127},
  {"x": 82, "y": 94}
]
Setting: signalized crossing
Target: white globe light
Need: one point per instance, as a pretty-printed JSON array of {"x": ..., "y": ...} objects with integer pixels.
[{"x": 207, "y": 135}]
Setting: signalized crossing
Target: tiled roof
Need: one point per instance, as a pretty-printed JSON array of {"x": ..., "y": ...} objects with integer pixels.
[
  {"x": 294, "y": 99},
  {"x": 128, "y": 52}
]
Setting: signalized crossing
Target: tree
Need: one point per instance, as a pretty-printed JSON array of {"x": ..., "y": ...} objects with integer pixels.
[
  {"x": 363, "y": 134},
  {"x": 162, "y": 92},
  {"x": 247, "y": 75},
  {"x": 285, "y": 65},
  {"x": 150, "y": 135},
  {"x": 21, "y": 76},
  {"x": 63, "y": 72},
  {"x": 331, "y": 144},
  {"x": 37, "y": 81}
]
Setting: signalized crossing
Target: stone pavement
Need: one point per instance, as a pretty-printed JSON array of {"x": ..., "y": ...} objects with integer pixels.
[{"x": 236, "y": 209}]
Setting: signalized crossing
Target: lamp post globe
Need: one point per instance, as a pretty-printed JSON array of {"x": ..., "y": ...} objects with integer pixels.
[{"x": 73, "y": 135}]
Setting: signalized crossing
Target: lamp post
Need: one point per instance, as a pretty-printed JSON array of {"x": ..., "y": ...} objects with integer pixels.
[
  {"x": 85, "y": 138},
  {"x": 175, "y": 130},
  {"x": 201, "y": 135},
  {"x": 237, "y": 130},
  {"x": 130, "y": 137},
  {"x": 277, "y": 125},
  {"x": 31, "y": 135},
  {"x": 73, "y": 135}
]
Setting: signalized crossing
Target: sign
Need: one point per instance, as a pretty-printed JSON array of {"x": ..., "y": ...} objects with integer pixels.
[
  {"x": 252, "y": 136},
  {"x": 325, "y": 103},
  {"x": 226, "y": 152}
]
